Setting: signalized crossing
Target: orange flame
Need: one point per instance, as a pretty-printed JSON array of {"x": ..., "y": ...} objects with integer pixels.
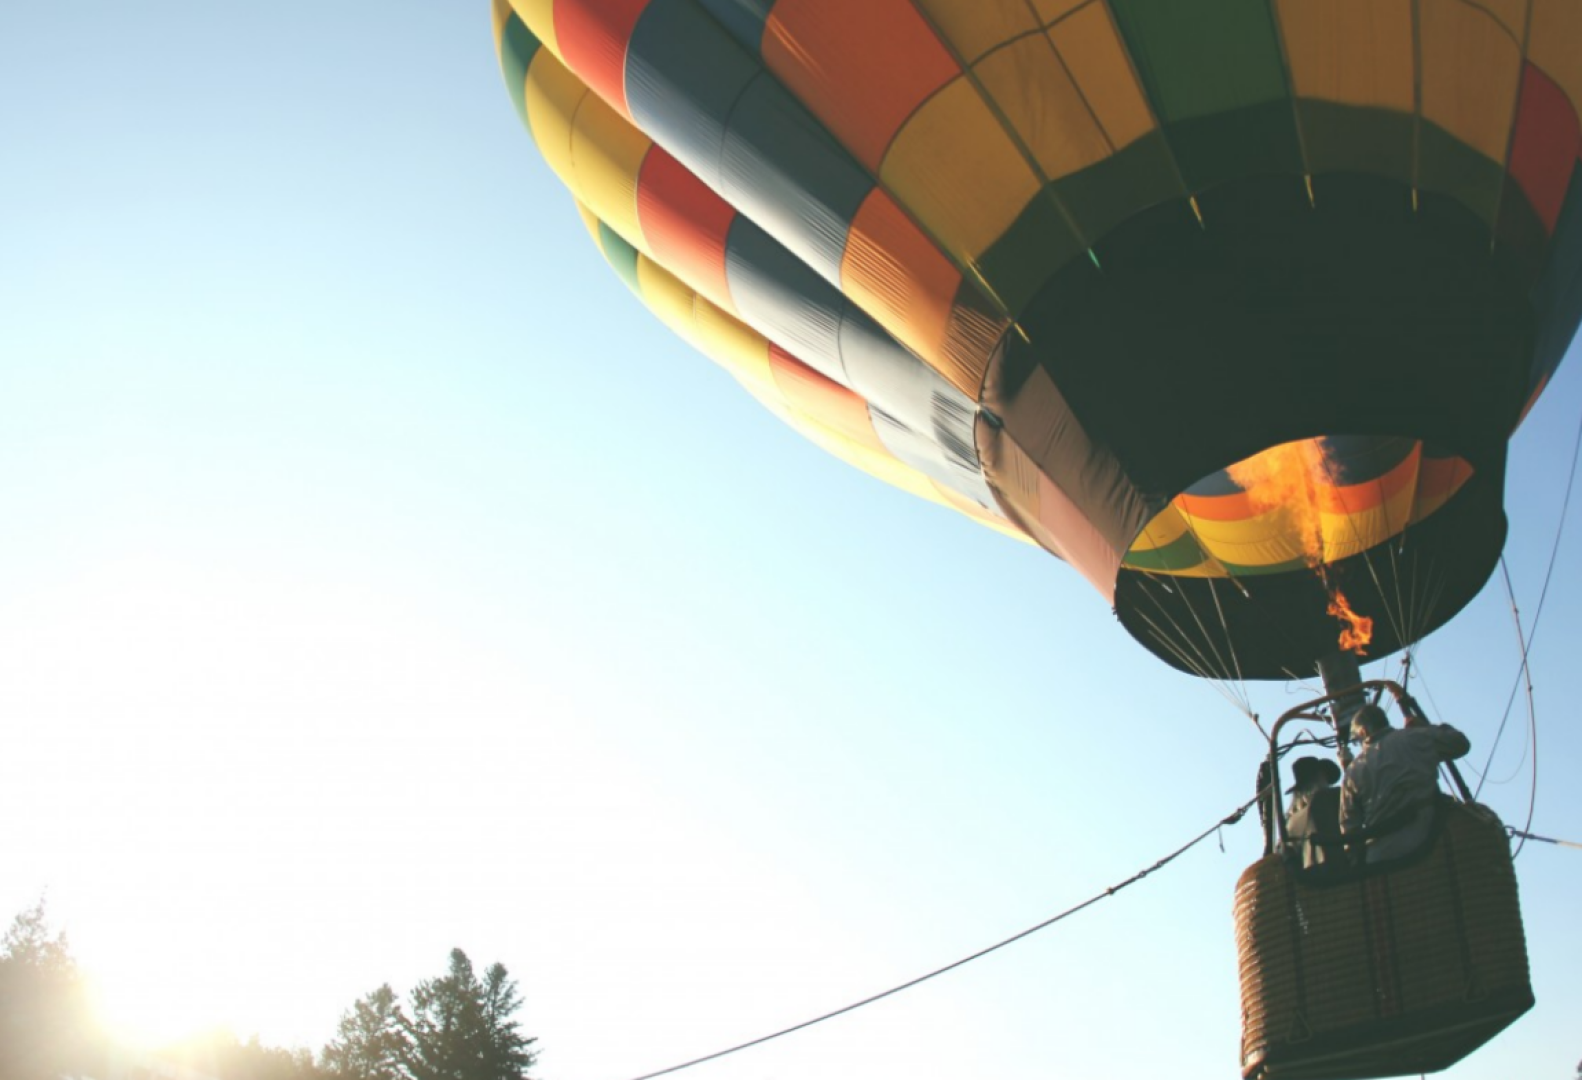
[
  {"x": 1287, "y": 479},
  {"x": 1357, "y": 629}
]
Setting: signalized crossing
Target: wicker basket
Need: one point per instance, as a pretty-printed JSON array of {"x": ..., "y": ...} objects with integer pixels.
[{"x": 1385, "y": 970}]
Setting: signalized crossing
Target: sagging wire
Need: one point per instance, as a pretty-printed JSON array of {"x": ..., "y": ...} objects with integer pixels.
[
  {"x": 1543, "y": 594},
  {"x": 1525, "y": 642},
  {"x": 1532, "y": 791},
  {"x": 1230, "y": 819},
  {"x": 1532, "y": 633},
  {"x": 1532, "y": 719},
  {"x": 1523, "y": 674}
]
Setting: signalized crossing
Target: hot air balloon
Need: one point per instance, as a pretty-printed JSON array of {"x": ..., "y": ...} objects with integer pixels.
[{"x": 1231, "y": 306}]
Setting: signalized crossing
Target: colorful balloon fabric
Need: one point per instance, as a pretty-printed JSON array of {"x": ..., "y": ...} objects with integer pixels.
[{"x": 1229, "y": 305}]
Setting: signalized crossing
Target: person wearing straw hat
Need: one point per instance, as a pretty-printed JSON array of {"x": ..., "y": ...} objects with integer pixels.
[{"x": 1312, "y": 823}]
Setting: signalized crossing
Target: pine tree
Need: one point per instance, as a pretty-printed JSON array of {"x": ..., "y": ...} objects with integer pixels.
[
  {"x": 46, "y": 1027},
  {"x": 371, "y": 1042},
  {"x": 446, "y": 1028},
  {"x": 462, "y": 1028},
  {"x": 510, "y": 1053}
]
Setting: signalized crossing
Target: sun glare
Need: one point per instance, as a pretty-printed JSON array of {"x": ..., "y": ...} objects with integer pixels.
[{"x": 150, "y": 1011}]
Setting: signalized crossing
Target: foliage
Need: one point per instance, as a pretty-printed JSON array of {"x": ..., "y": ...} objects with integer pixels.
[
  {"x": 254, "y": 1061},
  {"x": 508, "y": 1054},
  {"x": 222, "y": 1056},
  {"x": 462, "y": 1028},
  {"x": 371, "y": 1042},
  {"x": 47, "y": 1029}
]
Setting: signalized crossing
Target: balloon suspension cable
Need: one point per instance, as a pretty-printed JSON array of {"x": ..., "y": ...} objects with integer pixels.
[
  {"x": 1523, "y": 676},
  {"x": 1525, "y": 673},
  {"x": 1408, "y": 620},
  {"x": 1428, "y": 692},
  {"x": 1184, "y": 647},
  {"x": 1230, "y": 646},
  {"x": 1213, "y": 830},
  {"x": 1178, "y": 648}
]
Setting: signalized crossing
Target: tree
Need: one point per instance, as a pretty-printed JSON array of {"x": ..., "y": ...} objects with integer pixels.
[
  {"x": 222, "y": 1055},
  {"x": 46, "y": 1026},
  {"x": 371, "y": 1042},
  {"x": 510, "y": 1053},
  {"x": 446, "y": 1029},
  {"x": 462, "y": 1028}
]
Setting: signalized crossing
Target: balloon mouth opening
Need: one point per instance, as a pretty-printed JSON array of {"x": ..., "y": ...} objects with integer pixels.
[{"x": 1300, "y": 505}]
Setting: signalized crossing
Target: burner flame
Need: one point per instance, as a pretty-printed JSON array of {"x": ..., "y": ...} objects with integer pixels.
[
  {"x": 1287, "y": 480},
  {"x": 1356, "y": 630}
]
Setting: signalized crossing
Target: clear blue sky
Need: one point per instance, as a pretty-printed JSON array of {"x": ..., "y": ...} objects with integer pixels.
[{"x": 377, "y": 576}]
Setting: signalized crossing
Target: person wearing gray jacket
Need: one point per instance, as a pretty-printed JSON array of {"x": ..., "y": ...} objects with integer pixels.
[{"x": 1391, "y": 785}]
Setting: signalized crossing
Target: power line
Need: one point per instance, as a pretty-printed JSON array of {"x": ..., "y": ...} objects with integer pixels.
[{"x": 1229, "y": 819}]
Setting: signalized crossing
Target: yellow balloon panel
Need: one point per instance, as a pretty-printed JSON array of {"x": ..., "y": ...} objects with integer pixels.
[
  {"x": 553, "y": 95},
  {"x": 1035, "y": 93},
  {"x": 1091, "y": 49},
  {"x": 607, "y": 153},
  {"x": 1471, "y": 68},
  {"x": 1353, "y": 52},
  {"x": 955, "y": 169},
  {"x": 972, "y": 27}
]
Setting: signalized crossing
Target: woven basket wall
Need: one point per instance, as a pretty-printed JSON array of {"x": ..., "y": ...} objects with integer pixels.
[{"x": 1384, "y": 973}]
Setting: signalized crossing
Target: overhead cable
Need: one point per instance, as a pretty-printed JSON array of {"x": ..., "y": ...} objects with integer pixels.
[{"x": 1230, "y": 819}]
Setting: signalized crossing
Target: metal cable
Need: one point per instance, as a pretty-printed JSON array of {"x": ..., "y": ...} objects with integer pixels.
[
  {"x": 1525, "y": 674},
  {"x": 1230, "y": 819},
  {"x": 1525, "y": 835},
  {"x": 1543, "y": 595},
  {"x": 1532, "y": 789},
  {"x": 1241, "y": 701},
  {"x": 1396, "y": 547},
  {"x": 1522, "y": 670},
  {"x": 1183, "y": 647},
  {"x": 1230, "y": 645},
  {"x": 1207, "y": 639}
]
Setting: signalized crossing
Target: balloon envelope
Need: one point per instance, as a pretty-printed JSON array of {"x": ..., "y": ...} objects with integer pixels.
[{"x": 1227, "y": 305}]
